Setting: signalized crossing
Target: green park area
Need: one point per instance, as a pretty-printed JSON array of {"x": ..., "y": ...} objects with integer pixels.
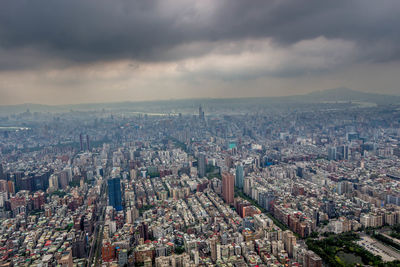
[
  {"x": 341, "y": 250},
  {"x": 395, "y": 231}
]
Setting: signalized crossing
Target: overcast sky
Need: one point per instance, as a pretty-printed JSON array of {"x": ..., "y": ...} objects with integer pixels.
[{"x": 79, "y": 51}]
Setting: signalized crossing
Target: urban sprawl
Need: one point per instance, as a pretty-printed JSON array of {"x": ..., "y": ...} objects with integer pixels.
[{"x": 315, "y": 185}]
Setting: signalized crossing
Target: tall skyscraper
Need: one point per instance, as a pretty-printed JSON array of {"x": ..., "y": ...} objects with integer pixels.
[
  {"x": 342, "y": 152},
  {"x": 228, "y": 187},
  {"x": 201, "y": 113},
  {"x": 346, "y": 152},
  {"x": 332, "y": 153},
  {"x": 1, "y": 172},
  {"x": 63, "y": 180},
  {"x": 239, "y": 181},
  {"x": 213, "y": 248},
  {"x": 87, "y": 143},
  {"x": 114, "y": 193},
  {"x": 201, "y": 165},
  {"x": 81, "y": 141},
  {"x": 144, "y": 231}
]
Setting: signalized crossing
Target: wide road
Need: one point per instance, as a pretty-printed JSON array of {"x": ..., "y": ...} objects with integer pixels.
[{"x": 99, "y": 225}]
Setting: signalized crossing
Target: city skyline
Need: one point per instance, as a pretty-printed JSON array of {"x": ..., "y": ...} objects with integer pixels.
[{"x": 239, "y": 183}]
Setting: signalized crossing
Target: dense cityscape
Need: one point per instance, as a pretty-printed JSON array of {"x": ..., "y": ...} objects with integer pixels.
[
  {"x": 300, "y": 185},
  {"x": 186, "y": 133}
]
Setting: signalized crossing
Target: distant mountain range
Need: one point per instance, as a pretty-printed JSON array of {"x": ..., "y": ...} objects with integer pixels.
[
  {"x": 330, "y": 95},
  {"x": 346, "y": 94}
]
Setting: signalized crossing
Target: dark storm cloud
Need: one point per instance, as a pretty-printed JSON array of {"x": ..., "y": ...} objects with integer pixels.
[{"x": 103, "y": 30}]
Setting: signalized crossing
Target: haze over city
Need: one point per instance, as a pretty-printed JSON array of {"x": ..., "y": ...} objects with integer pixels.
[{"x": 69, "y": 52}]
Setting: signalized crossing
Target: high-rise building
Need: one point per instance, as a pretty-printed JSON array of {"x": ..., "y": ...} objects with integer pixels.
[
  {"x": 346, "y": 152},
  {"x": 53, "y": 182},
  {"x": 331, "y": 209},
  {"x": 228, "y": 183},
  {"x": 311, "y": 259},
  {"x": 201, "y": 113},
  {"x": 17, "y": 176},
  {"x": 144, "y": 231},
  {"x": 114, "y": 193},
  {"x": 332, "y": 153},
  {"x": 342, "y": 152},
  {"x": 3, "y": 186},
  {"x": 344, "y": 187},
  {"x": 201, "y": 165},
  {"x": 87, "y": 143},
  {"x": 289, "y": 241},
  {"x": 81, "y": 141},
  {"x": 11, "y": 187},
  {"x": 123, "y": 257},
  {"x": 300, "y": 172},
  {"x": 63, "y": 180},
  {"x": 239, "y": 181},
  {"x": 79, "y": 245},
  {"x": 213, "y": 248},
  {"x": 1, "y": 172}
]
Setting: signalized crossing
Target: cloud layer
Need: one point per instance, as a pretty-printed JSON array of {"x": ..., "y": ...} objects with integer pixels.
[{"x": 147, "y": 47}]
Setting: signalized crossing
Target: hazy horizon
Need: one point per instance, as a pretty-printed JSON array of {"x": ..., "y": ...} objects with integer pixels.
[
  {"x": 190, "y": 98},
  {"x": 73, "y": 52}
]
